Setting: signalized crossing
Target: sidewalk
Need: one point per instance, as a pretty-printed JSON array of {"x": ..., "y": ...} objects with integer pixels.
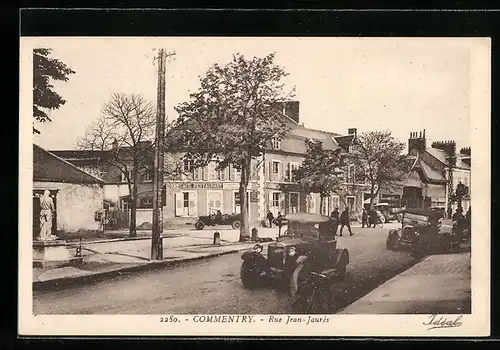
[
  {"x": 115, "y": 256},
  {"x": 438, "y": 284}
]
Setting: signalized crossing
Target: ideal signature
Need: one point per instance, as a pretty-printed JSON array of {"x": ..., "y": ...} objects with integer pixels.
[{"x": 436, "y": 321}]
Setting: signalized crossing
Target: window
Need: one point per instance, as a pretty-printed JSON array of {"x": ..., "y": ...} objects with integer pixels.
[
  {"x": 276, "y": 199},
  {"x": 212, "y": 174},
  {"x": 350, "y": 203},
  {"x": 294, "y": 202},
  {"x": 350, "y": 174},
  {"x": 124, "y": 178},
  {"x": 186, "y": 199},
  {"x": 187, "y": 165},
  {"x": 221, "y": 174},
  {"x": 275, "y": 143},
  {"x": 275, "y": 170},
  {"x": 147, "y": 177},
  {"x": 124, "y": 204},
  {"x": 146, "y": 202},
  {"x": 236, "y": 174},
  {"x": 293, "y": 167}
]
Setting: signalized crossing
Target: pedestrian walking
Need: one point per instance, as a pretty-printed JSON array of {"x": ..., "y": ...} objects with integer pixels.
[
  {"x": 364, "y": 219},
  {"x": 448, "y": 212},
  {"x": 344, "y": 221},
  {"x": 334, "y": 217},
  {"x": 373, "y": 218},
  {"x": 270, "y": 218},
  {"x": 458, "y": 221}
]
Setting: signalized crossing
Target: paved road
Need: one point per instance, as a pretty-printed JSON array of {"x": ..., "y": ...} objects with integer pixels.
[{"x": 214, "y": 286}]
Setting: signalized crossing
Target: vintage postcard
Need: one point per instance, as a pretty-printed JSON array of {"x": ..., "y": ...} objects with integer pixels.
[{"x": 243, "y": 186}]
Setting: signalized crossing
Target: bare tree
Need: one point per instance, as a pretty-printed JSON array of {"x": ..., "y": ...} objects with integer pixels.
[{"x": 125, "y": 134}]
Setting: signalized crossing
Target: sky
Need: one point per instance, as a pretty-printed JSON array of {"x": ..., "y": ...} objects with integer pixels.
[{"x": 401, "y": 85}]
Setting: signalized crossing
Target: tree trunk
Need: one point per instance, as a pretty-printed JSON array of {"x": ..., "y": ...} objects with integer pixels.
[
  {"x": 133, "y": 206},
  {"x": 244, "y": 229},
  {"x": 321, "y": 203},
  {"x": 372, "y": 194}
]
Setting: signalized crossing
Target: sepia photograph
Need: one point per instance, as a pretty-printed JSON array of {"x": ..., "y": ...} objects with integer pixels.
[{"x": 254, "y": 186}]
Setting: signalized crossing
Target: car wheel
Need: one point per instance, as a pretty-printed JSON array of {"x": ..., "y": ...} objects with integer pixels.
[
  {"x": 236, "y": 225},
  {"x": 199, "y": 225},
  {"x": 250, "y": 275}
]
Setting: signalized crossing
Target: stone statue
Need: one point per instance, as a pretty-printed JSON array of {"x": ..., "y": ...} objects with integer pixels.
[{"x": 47, "y": 209}]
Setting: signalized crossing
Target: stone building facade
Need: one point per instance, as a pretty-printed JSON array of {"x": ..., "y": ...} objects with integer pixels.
[
  {"x": 77, "y": 195},
  {"x": 271, "y": 187}
]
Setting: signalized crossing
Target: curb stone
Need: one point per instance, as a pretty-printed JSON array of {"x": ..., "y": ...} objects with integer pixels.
[{"x": 99, "y": 276}]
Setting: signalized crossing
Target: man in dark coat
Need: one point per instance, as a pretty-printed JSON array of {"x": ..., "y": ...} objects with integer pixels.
[
  {"x": 373, "y": 218},
  {"x": 364, "y": 219},
  {"x": 334, "y": 217},
  {"x": 344, "y": 221},
  {"x": 270, "y": 218}
]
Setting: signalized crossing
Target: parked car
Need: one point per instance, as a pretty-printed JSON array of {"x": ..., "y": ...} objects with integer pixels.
[
  {"x": 424, "y": 232},
  {"x": 218, "y": 219},
  {"x": 389, "y": 213},
  {"x": 305, "y": 261}
]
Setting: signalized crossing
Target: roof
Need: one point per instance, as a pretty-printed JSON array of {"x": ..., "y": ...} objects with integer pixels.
[
  {"x": 431, "y": 174},
  {"x": 49, "y": 167},
  {"x": 327, "y": 138},
  {"x": 442, "y": 157}
]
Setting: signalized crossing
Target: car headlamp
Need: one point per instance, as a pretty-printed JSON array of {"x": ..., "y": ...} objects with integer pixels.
[
  {"x": 258, "y": 248},
  {"x": 292, "y": 251}
]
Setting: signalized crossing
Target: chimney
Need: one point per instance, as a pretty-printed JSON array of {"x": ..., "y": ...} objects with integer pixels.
[
  {"x": 449, "y": 147},
  {"x": 352, "y": 131},
  {"x": 417, "y": 142}
]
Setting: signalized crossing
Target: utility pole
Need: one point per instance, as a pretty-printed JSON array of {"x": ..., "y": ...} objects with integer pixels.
[{"x": 157, "y": 229}]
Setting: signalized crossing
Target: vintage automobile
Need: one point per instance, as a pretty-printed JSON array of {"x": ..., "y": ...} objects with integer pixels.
[
  {"x": 423, "y": 232},
  {"x": 218, "y": 219},
  {"x": 304, "y": 261},
  {"x": 389, "y": 213}
]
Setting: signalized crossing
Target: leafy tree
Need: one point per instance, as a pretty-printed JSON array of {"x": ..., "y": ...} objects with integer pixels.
[
  {"x": 46, "y": 68},
  {"x": 319, "y": 172},
  {"x": 233, "y": 117},
  {"x": 125, "y": 132},
  {"x": 378, "y": 159}
]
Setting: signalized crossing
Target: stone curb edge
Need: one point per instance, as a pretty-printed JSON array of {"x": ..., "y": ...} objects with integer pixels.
[{"x": 98, "y": 276}]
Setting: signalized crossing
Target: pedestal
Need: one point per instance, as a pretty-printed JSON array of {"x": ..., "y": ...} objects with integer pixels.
[{"x": 52, "y": 254}]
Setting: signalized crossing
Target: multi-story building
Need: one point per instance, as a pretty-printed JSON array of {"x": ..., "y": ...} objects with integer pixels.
[
  {"x": 200, "y": 191},
  {"x": 436, "y": 172}
]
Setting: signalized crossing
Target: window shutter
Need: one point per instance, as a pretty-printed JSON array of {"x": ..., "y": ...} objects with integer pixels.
[
  {"x": 196, "y": 174},
  {"x": 179, "y": 205},
  {"x": 193, "y": 204},
  {"x": 288, "y": 172},
  {"x": 205, "y": 173},
  {"x": 270, "y": 170},
  {"x": 230, "y": 170}
]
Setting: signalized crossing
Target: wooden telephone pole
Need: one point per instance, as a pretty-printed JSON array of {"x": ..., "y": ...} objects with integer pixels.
[{"x": 156, "y": 237}]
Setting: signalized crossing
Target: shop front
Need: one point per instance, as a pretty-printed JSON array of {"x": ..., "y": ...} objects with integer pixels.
[{"x": 192, "y": 199}]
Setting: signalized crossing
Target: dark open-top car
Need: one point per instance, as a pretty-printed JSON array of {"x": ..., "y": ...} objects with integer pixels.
[
  {"x": 218, "y": 219},
  {"x": 424, "y": 232},
  {"x": 305, "y": 260}
]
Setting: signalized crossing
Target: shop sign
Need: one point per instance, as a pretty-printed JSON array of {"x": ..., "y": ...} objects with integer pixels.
[{"x": 195, "y": 185}]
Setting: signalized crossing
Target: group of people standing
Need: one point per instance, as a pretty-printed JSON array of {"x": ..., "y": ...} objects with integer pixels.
[{"x": 369, "y": 218}]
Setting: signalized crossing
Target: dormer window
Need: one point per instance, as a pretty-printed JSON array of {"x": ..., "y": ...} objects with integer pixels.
[{"x": 275, "y": 143}]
